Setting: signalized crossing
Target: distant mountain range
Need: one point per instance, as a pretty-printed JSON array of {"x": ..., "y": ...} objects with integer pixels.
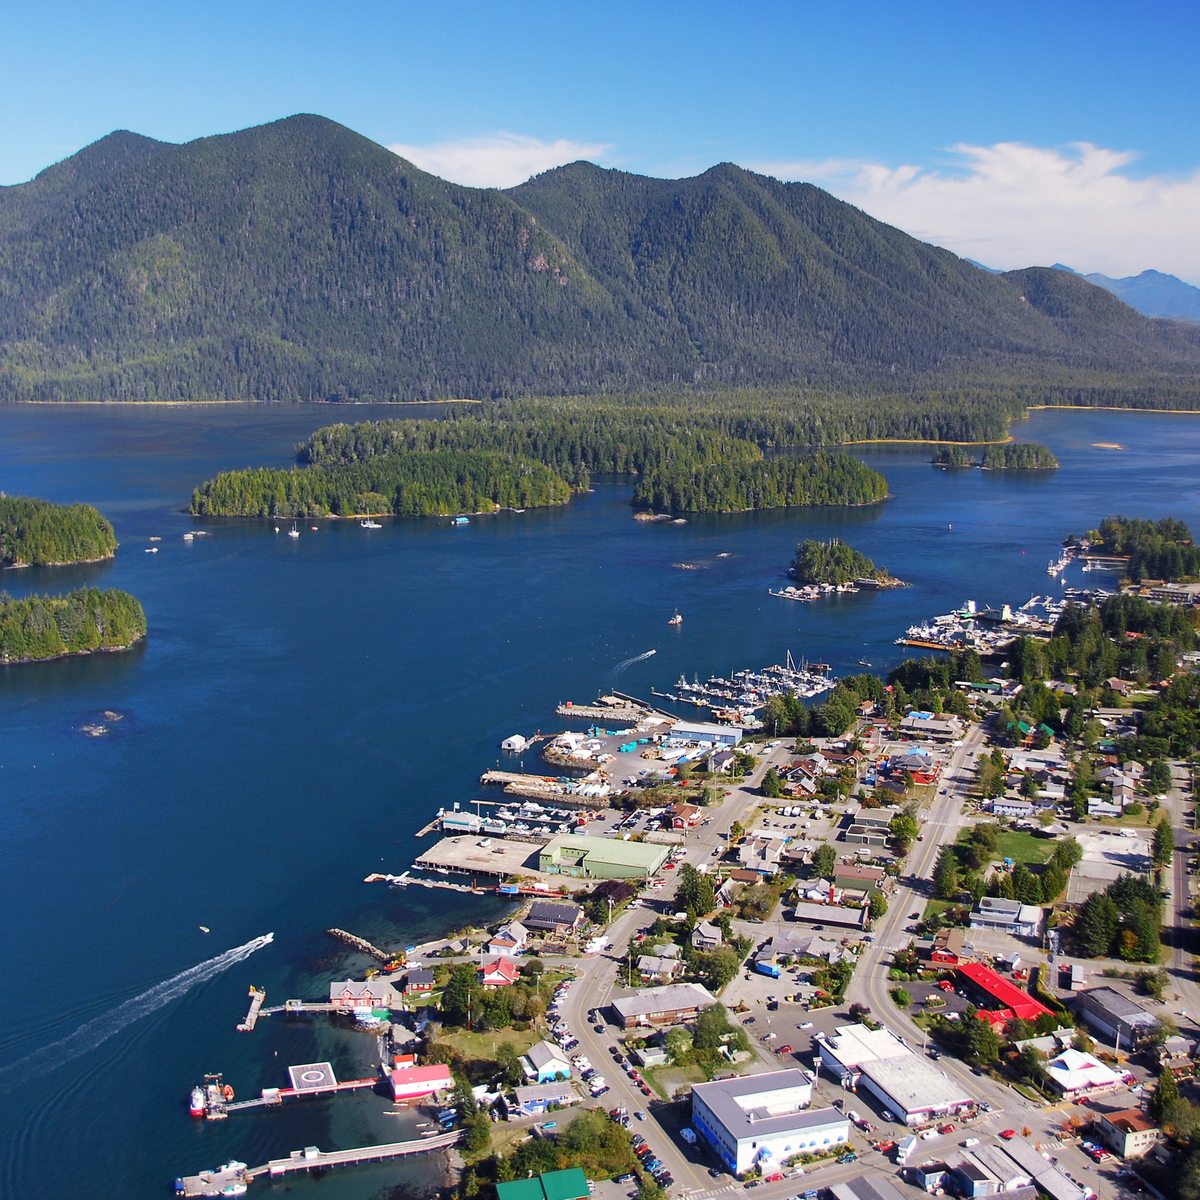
[
  {"x": 1152, "y": 293},
  {"x": 299, "y": 260}
]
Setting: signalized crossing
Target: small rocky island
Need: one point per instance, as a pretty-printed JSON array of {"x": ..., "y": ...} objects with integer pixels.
[
  {"x": 1011, "y": 456},
  {"x": 36, "y": 533},
  {"x": 85, "y": 621},
  {"x": 835, "y": 563}
]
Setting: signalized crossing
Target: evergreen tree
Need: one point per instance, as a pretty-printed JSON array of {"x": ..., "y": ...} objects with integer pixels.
[
  {"x": 1165, "y": 1093},
  {"x": 1096, "y": 925},
  {"x": 824, "y": 861},
  {"x": 1164, "y": 843},
  {"x": 945, "y": 874},
  {"x": 983, "y": 1042}
]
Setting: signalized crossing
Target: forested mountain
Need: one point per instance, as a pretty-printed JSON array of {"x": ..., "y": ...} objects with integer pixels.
[{"x": 299, "y": 260}]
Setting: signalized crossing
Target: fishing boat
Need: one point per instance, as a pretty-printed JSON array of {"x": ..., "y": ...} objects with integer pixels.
[
  {"x": 197, "y": 1105},
  {"x": 862, "y": 662},
  {"x": 293, "y": 532},
  {"x": 676, "y": 619},
  {"x": 369, "y": 524}
]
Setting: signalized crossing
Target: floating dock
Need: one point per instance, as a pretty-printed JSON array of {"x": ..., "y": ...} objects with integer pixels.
[{"x": 256, "y": 1002}]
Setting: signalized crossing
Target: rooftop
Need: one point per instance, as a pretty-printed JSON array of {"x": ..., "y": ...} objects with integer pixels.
[
  {"x": 643, "y": 856},
  {"x": 668, "y": 998},
  {"x": 875, "y": 1186},
  {"x": 856, "y": 1045},
  {"x": 760, "y": 1106},
  {"x": 1130, "y": 1120},
  {"x": 1007, "y": 994},
  {"x": 916, "y": 1083},
  {"x": 1114, "y": 1004}
]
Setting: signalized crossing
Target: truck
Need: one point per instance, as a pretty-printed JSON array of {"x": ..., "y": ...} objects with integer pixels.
[{"x": 768, "y": 968}]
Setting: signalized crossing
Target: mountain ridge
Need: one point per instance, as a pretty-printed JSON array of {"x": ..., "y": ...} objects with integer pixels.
[{"x": 300, "y": 260}]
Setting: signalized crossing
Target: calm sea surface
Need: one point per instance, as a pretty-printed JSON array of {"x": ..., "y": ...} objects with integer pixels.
[{"x": 301, "y": 707}]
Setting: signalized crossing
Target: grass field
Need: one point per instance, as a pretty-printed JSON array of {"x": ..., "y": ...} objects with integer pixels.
[
  {"x": 1020, "y": 845},
  {"x": 483, "y": 1045}
]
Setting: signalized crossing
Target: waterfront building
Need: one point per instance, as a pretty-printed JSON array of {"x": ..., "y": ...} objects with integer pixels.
[
  {"x": 372, "y": 993},
  {"x": 673, "y": 1004},
  {"x": 569, "y": 1184},
  {"x": 601, "y": 858},
  {"x": 415, "y": 1083},
  {"x": 764, "y": 1120},
  {"x": 508, "y": 939},
  {"x": 540, "y": 1098},
  {"x": 418, "y": 982},
  {"x": 699, "y": 734}
]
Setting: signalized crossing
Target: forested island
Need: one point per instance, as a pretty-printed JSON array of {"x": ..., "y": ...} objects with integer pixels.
[
  {"x": 36, "y": 533},
  {"x": 1011, "y": 456},
  {"x": 85, "y": 621},
  {"x": 1155, "y": 549},
  {"x": 690, "y": 456},
  {"x": 834, "y": 562}
]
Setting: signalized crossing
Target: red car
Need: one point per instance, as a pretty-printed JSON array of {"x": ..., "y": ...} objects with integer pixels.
[
  {"x": 946, "y": 1129},
  {"x": 1008, "y": 1134},
  {"x": 668, "y": 866},
  {"x": 784, "y": 1050}
]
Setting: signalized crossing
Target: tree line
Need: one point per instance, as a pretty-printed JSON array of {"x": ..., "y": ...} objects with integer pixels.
[
  {"x": 88, "y": 619},
  {"x": 38, "y": 533}
]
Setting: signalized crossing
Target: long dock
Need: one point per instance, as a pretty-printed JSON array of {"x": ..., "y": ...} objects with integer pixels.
[
  {"x": 256, "y": 1002},
  {"x": 274, "y": 1096},
  {"x": 310, "y": 1158}
]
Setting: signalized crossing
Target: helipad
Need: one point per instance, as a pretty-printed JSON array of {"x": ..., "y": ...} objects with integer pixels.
[{"x": 313, "y": 1077}]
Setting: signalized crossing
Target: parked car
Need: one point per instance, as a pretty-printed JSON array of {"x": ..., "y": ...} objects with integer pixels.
[
  {"x": 688, "y": 1135},
  {"x": 1008, "y": 1134}
]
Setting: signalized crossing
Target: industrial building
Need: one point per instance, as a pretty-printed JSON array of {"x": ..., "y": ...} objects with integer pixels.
[
  {"x": 700, "y": 734},
  {"x": 672, "y": 1004},
  {"x": 906, "y": 1083},
  {"x": 764, "y": 1120},
  {"x": 600, "y": 858},
  {"x": 410, "y": 1082},
  {"x": 1119, "y": 1021}
]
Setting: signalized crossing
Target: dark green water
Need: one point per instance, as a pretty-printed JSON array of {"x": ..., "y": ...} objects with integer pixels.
[{"x": 302, "y": 707}]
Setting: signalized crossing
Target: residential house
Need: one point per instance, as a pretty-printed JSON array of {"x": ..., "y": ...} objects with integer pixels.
[
  {"x": 654, "y": 968},
  {"x": 761, "y": 852},
  {"x": 684, "y": 816},
  {"x": 509, "y": 939},
  {"x": 950, "y": 949},
  {"x": 561, "y": 919},
  {"x": 417, "y": 982},
  {"x": 720, "y": 762},
  {"x": 546, "y": 1062},
  {"x": 1009, "y": 916},
  {"x": 1175, "y": 1055},
  {"x": 1011, "y": 806},
  {"x": 706, "y": 936},
  {"x": 540, "y": 1098},
  {"x": 673, "y": 1004},
  {"x": 498, "y": 972}
]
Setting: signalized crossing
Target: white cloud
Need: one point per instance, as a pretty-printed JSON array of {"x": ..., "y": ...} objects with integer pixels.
[
  {"x": 1012, "y": 205},
  {"x": 499, "y": 160}
]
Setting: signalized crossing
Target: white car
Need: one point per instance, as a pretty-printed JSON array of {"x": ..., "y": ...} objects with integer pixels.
[
  {"x": 929, "y": 1133},
  {"x": 971, "y": 1142}
]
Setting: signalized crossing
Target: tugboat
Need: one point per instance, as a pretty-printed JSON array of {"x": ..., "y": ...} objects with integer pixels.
[{"x": 676, "y": 619}]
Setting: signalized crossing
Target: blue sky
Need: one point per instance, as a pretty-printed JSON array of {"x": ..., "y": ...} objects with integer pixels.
[{"x": 868, "y": 99}]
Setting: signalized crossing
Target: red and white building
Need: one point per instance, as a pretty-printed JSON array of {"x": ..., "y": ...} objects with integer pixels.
[
  {"x": 411, "y": 1082},
  {"x": 499, "y": 972}
]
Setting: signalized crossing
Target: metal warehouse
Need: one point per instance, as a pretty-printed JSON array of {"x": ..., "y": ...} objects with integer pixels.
[{"x": 601, "y": 858}]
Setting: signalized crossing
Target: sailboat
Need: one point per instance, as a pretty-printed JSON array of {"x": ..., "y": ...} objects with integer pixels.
[
  {"x": 293, "y": 532},
  {"x": 676, "y": 619},
  {"x": 370, "y": 524}
]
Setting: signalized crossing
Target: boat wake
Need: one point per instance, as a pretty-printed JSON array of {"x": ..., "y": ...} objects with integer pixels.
[
  {"x": 101, "y": 1028},
  {"x": 630, "y": 661}
]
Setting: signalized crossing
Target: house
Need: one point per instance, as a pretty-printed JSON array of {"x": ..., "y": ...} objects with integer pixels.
[
  {"x": 866, "y": 709},
  {"x": 540, "y": 1098},
  {"x": 706, "y": 936},
  {"x": 862, "y": 878},
  {"x": 1127, "y": 1133},
  {"x": 684, "y": 816},
  {"x": 653, "y": 967},
  {"x": 740, "y": 876},
  {"x": 498, "y": 972},
  {"x": 1009, "y": 916},
  {"x": 545, "y": 1062},
  {"x": 561, "y": 919},
  {"x": 417, "y": 982},
  {"x": 1011, "y": 806},
  {"x": 928, "y": 725},
  {"x": 720, "y": 762},
  {"x": 831, "y": 914},
  {"x": 410, "y": 1082},
  {"x": 373, "y": 993},
  {"x": 950, "y": 949},
  {"x": 761, "y": 852},
  {"x": 1074, "y": 1073},
  {"x": 1118, "y": 1020},
  {"x": 1098, "y": 807},
  {"x": 661, "y": 1006},
  {"x": 508, "y": 939},
  {"x": 1175, "y": 1054},
  {"x": 764, "y": 1120},
  {"x": 1120, "y": 686}
]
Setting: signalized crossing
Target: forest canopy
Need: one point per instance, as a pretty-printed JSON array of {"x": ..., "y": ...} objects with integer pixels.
[
  {"x": 1018, "y": 456},
  {"x": 832, "y": 562},
  {"x": 37, "y": 533},
  {"x": 85, "y": 620},
  {"x": 1156, "y": 549}
]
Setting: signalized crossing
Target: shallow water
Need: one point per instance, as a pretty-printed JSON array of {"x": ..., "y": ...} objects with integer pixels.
[{"x": 302, "y": 707}]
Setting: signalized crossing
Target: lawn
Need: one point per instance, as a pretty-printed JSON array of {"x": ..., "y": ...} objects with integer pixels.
[
  {"x": 1020, "y": 845},
  {"x": 482, "y": 1046}
]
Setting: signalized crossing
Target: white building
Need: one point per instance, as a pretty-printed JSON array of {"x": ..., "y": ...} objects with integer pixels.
[
  {"x": 1009, "y": 916},
  {"x": 906, "y": 1083},
  {"x": 764, "y": 1120},
  {"x": 699, "y": 734}
]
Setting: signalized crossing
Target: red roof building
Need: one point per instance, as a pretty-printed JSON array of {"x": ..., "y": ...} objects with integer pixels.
[
  {"x": 499, "y": 972},
  {"x": 1005, "y": 994},
  {"x": 413, "y": 1083}
]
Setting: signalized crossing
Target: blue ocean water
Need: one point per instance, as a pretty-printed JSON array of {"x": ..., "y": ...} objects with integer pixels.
[{"x": 301, "y": 707}]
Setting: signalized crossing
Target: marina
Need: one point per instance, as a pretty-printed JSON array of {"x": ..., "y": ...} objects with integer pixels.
[{"x": 737, "y": 698}]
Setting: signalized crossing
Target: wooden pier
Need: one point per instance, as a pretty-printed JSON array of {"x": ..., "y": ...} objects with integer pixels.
[
  {"x": 310, "y": 1158},
  {"x": 274, "y": 1096},
  {"x": 256, "y": 1002}
]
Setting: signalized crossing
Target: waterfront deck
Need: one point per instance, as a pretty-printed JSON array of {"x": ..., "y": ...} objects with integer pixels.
[
  {"x": 310, "y": 1158},
  {"x": 471, "y": 854}
]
